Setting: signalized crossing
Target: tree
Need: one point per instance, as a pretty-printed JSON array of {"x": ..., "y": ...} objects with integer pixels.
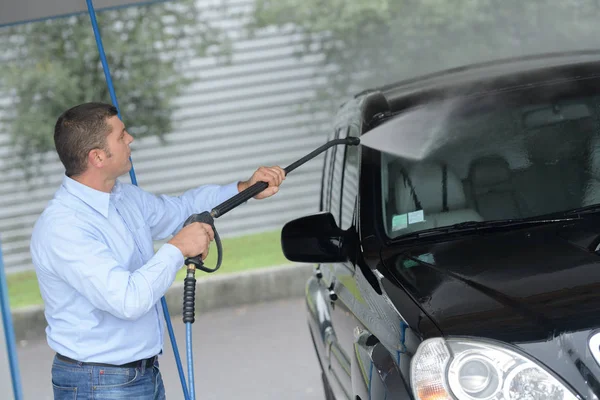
[
  {"x": 54, "y": 64},
  {"x": 370, "y": 43}
]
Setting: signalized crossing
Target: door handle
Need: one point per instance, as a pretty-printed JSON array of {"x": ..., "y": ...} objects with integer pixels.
[
  {"x": 375, "y": 373},
  {"x": 318, "y": 273},
  {"x": 332, "y": 294}
]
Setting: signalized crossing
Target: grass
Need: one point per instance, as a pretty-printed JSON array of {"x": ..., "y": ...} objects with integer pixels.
[{"x": 239, "y": 254}]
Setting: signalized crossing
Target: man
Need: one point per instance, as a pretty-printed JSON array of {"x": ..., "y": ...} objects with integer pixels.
[{"x": 99, "y": 276}]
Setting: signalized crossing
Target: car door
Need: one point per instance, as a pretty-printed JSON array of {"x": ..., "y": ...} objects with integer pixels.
[
  {"x": 368, "y": 334},
  {"x": 340, "y": 277}
]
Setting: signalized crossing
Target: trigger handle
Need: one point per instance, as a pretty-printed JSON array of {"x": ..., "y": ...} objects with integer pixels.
[{"x": 207, "y": 218}]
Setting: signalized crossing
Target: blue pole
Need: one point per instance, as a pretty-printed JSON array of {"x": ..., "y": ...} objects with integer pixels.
[
  {"x": 113, "y": 97},
  {"x": 190, "y": 358},
  {"x": 106, "y": 70},
  {"x": 9, "y": 332}
]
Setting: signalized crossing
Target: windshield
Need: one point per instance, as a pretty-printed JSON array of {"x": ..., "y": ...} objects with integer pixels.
[{"x": 514, "y": 156}]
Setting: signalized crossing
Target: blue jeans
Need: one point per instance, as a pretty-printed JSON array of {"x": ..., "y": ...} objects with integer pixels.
[{"x": 77, "y": 381}]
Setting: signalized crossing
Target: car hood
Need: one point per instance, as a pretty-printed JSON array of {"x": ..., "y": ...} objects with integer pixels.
[
  {"x": 523, "y": 285},
  {"x": 574, "y": 357}
]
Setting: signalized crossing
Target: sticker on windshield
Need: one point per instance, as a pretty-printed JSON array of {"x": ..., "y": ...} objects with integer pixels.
[
  {"x": 415, "y": 217},
  {"x": 399, "y": 222}
]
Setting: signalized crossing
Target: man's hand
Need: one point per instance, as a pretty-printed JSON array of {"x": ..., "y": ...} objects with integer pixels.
[
  {"x": 194, "y": 239},
  {"x": 274, "y": 176}
]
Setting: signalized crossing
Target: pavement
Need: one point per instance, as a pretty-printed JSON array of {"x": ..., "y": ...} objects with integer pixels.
[{"x": 258, "y": 351}]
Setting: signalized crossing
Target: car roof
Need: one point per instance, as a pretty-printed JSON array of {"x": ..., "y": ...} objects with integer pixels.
[{"x": 488, "y": 72}]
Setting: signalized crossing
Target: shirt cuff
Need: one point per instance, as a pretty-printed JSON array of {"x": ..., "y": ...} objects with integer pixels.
[
  {"x": 228, "y": 191},
  {"x": 171, "y": 256}
]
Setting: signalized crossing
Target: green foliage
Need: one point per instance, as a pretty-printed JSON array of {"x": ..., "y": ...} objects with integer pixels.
[
  {"x": 52, "y": 65},
  {"x": 371, "y": 43}
]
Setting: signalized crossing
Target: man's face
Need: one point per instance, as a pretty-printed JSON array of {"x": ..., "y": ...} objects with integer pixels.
[{"x": 117, "y": 143}]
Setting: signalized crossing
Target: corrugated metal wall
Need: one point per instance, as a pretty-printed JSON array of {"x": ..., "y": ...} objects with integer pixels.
[{"x": 230, "y": 121}]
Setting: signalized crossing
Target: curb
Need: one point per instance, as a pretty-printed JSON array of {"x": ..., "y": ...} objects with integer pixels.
[{"x": 212, "y": 293}]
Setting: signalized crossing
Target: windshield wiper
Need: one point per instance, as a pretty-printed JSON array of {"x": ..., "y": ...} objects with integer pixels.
[
  {"x": 476, "y": 226},
  {"x": 593, "y": 208}
]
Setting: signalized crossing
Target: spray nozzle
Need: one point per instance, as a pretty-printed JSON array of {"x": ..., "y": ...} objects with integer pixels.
[{"x": 352, "y": 141}]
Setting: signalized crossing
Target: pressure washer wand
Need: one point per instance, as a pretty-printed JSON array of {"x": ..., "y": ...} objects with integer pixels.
[
  {"x": 258, "y": 187},
  {"x": 245, "y": 195},
  {"x": 193, "y": 263}
]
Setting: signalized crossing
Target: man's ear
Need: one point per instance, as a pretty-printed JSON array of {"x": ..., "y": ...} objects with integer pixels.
[{"x": 96, "y": 157}]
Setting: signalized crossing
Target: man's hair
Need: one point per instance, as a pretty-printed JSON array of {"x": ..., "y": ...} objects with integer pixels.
[{"x": 78, "y": 131}]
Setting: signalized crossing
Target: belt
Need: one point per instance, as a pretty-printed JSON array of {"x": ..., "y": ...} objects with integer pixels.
[{"x": 148, "y": 362}]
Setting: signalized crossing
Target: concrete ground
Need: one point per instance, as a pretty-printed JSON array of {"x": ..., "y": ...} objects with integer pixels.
[{"x": 261, "y": 351}]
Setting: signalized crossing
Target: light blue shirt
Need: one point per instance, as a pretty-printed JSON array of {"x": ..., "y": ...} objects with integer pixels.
[{"x": 98, "y": 274}]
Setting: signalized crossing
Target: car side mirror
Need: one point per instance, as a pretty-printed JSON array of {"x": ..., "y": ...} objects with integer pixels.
[{"x": 313, "y": 239}]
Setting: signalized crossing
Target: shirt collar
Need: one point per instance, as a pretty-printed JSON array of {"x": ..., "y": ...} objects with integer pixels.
[{"x": 96, "y": 199}]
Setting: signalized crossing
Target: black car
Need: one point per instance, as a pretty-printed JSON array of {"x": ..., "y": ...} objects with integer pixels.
[{"x": 459, "y": 256}]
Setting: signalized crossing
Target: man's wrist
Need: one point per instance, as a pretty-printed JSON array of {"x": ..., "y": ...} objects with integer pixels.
[{"x": 242, "y": 185}]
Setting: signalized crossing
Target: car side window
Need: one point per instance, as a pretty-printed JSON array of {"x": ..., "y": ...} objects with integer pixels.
[
  {"x": 325, "y": 181},
  {"x": 350, "y": 181},
  {"x": 329, "y": 155},
  {"x": 335, "y": 189}
]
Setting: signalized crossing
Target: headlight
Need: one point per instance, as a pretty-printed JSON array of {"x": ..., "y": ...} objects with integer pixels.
[{"x": 470, "y": 370}]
